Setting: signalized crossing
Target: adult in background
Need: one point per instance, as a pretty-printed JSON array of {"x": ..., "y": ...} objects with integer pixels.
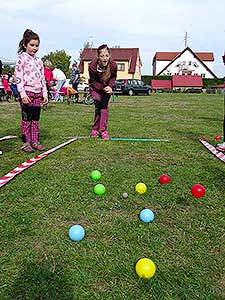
[
  {"x": 75, "y": 80},
  {"x": 60, "y": 77},
  {"x": 102, "y": 77}
]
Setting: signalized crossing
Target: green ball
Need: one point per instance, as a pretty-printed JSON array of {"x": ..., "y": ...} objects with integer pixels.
[
  {"x": 99, "y": 189},
  {"x": 96, "y": 175}
]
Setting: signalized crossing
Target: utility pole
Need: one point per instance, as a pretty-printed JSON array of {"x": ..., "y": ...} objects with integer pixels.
[{"x": 185, "y": 40}]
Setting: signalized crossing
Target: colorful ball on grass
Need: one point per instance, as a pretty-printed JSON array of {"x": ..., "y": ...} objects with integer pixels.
[
  {"x": 145, "y": 268},
  {"x": 99, "y": 189},
  {"x": 125, "y": 195},
  {"x": 96, "y": 175},
  {"x": 164, "y": 179},
  {"x": 76, "y": 233},
  {"x": 198, "y": 190},
  {"x": 146, "y": 215},
  {"x": 141, "y": 188},
  {"x": 217, "y": 137}
]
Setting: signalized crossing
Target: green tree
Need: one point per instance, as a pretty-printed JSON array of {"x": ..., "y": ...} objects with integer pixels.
[
  {"x": 60, "y": 59},
  {"x": 8, "y": 68}
]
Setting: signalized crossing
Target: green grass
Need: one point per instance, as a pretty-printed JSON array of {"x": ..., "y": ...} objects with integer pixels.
[{"x": 186, "y": 240}]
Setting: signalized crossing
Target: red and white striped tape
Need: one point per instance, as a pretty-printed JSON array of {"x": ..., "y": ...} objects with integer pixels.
[
  {"x": 28, "y": 163},
  {"x": 213, "y": 150}
]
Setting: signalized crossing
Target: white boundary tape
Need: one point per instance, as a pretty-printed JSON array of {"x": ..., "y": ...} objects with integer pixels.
[
  {"x": 28, "y": 163},
  {"x": 7, "y": 137}
]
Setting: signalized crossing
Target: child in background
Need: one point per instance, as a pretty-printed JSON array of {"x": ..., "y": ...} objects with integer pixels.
[
  {"x": 75, "y": 80},
  {"x": 48, "y": 78},
  {"x": 31, "y": 86},
  {"x": 102, "y": 73},
  {"x": 7, "y": 90}
]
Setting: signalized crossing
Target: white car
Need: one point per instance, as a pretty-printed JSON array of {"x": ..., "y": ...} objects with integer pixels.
[{"x": 82, "y": 87}]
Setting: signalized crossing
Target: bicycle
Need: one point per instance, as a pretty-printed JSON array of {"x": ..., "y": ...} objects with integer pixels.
[{"x": 86, "y": 98}]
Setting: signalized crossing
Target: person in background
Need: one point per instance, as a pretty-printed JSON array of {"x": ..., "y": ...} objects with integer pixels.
[
  {"x": 29, "y": 71},
  {"x": 102, "y": 74},
  {"x": 75, "y": 80},
  {"x": 60, "y": 77},
  {"x": 48, "y": 78},
  {"x": 6, "y": 87}
]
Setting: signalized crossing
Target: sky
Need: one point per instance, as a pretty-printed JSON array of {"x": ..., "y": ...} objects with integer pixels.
[{"x": 151, "y": 26}]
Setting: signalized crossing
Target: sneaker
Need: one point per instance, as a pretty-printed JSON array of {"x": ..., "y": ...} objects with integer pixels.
[
  {"x": 221, "y": 147},
  {"x": 38, "y": 146},
  {"x": 105, "y": 135},
  {"x": 94, "y": 133},
  {"x": 27, "y": 148}
]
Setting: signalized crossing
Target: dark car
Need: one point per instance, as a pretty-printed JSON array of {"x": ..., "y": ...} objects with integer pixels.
[{"x": 131, "y": 87}]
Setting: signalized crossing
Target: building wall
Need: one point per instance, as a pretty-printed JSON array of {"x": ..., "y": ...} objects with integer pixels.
[
  {"x": 185, "y": 64},
  {"x": 120, "y": 74}
]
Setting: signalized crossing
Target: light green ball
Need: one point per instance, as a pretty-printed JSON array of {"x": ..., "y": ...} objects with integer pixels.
[
  {"x": 96, "y": 175},
  {"x": 99, "y": 189}
]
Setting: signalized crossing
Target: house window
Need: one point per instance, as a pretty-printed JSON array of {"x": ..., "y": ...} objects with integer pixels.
[
  {"x": 189, "y": 63},
  {"x": 203, "y": 75},
  {"x": 120, "y": 66}
]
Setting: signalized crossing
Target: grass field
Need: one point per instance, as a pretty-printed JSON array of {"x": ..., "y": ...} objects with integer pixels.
[{"x": 186, "y": 240}]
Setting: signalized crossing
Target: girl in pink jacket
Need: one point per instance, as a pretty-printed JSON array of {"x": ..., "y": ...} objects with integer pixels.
[{"x": 31, "y": 86}]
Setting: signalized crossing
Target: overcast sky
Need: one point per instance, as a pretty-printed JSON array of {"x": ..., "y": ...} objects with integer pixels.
[{"x": 149, "y": 25}]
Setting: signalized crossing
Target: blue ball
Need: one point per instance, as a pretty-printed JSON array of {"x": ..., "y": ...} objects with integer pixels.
[
  {"x": 146, "y": 215},
  {"x": 76, "y": 233}
]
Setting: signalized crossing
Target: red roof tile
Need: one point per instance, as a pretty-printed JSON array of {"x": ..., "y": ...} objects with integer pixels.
[
  {"x": 161, "y": 84},
  {"x": 187, "y": 81},
  {"x": 205, "y": 56},
  {"x": 118, "y": 54}
]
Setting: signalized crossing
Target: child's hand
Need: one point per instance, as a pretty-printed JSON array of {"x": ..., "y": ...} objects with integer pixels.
[
  {"x": 26, "y": 100},
  {"x": 108, "y": 90},
  {"x": 45, "y": 100}
]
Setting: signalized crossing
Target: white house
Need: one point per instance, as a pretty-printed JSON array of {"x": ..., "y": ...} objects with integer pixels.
[{"x": 186, "y": 62}]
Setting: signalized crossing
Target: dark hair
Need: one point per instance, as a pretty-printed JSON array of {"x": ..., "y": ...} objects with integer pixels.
[
  {"x": 74, "y": 65},
  {"x": 107, "y": 73},
  {"x": 28, "y": 35},
  {"x": 104, "y": 46}
]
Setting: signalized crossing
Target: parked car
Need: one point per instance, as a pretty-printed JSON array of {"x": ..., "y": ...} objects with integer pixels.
[
  {"x": 81, "y": 86},
  {"x": 131, "y": 87}
]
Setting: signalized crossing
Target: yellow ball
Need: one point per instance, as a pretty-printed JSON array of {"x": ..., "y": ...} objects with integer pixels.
[
  {"x": 141, "y": 188},
  {"x": 145, "y": 268}
]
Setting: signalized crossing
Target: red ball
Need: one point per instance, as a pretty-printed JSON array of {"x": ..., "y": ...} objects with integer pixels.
[
  {"x": 217, "y": 137},
  {"x": 164, "y": 179},
  {"x": 198, "y": 190}
]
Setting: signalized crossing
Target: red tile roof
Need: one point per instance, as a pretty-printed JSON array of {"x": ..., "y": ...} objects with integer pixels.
[
  {"x": 118, "y": 54},
  {"x": 161, "y": 84},
  {"x": 187, "y": 81},
  {"x": 205, "y": 56}
]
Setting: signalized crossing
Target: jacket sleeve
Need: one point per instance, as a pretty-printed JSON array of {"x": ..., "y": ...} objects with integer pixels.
[
  {"x": 113, "y": 77},
  {"x": 19, "y": 72},
  {"x": 92, "y": 80}
]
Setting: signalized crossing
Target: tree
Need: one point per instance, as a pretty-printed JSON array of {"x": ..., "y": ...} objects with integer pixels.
[
  {"x": 8, "y": 68},
  {"x": 60, "y": 59}
]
